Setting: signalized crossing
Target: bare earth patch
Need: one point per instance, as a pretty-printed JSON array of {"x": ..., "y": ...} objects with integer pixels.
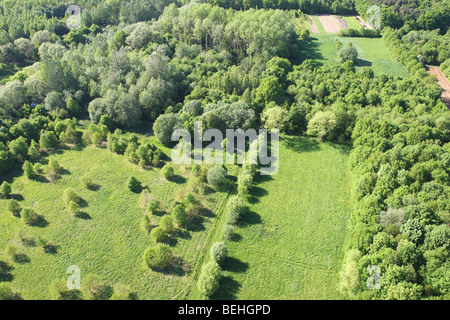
[
  {"x": 361, "y": 22},
  {"x": 330, "y": 23},
  {"x": 443, "y": 82}
]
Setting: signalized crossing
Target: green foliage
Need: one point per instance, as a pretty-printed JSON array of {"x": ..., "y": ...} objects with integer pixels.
[
  {"x": 217, "y": 178},
  {"x": 5, "y": 291},
  {"x": 218, "y": 252},
  {"x": 208, "y": 281},
  {"x": 14, "y": 208},
  {"x": 167, "y": 171},
  {"x": 29, "y": 216},
  {"x": 158, "y": 256},
  {"x": 69, "y": 195},
  {"x": 235, "y": 209},
  {"x": 179, "y": 215},
  {"x": 5, "y": 190},
  {"x": 133, "y": 184},
  {"x": 93, "y": 288}
]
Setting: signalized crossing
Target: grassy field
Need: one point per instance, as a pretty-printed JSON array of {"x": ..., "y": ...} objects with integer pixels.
[
  {"x": 108, "y": 241},
  {"x": 318, "y": 24},
  {"x": 351, "y": 22},
  {"x": 289, "y": 246},
  {"x": 371, "y": 52}
]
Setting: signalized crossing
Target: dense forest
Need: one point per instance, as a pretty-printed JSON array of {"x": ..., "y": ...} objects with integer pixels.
[{"x": 234, "y": 64}]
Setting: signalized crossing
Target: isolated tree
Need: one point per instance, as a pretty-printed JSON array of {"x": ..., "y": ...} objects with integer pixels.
[
  {"x": 93, "y": 288},
  {"x": 218, "y": 252},
  {"x": 208, "y": 281},
  {"x": 70, "y": 195},
  {"x": 14, "y": 207},
  {"x": 73, "y": 208},
  {"x": 5, "y": 190},
  {"x": 58, "y": 290},
  {"x": 167, "y": 171},
  {"x": 133, "y": 184},
  {"x": 5, "y": 291},
  {"x": 121, "y": 292},
  {"x": 348, "y": 53},
  {"x": 235, "y": 209},
  {"x": 217, "y": 177},
  {"x": 158, "y": 256}
]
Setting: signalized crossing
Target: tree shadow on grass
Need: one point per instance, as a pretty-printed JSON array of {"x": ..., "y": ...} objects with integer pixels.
[
  {"x": 21, "y": 258},
  {"x": 177, "y": 267},
  {"x": 195, "y": 224},
  {"x": 94, "y": 187},
  {"x": 309, "y": 49},
  {"x": 228, "y": 287},
  {"x": 183, "y": 234},
  {"x": 40, "y": 222},
  {"x": 234, "y": 265},
  {"x": 17, "y": 197},
  {"x": 299, "y": 144},
  {"x": 177, "y": 179},
  {"x": 205, "y": 212},
  {"x": 249, "y": 218},
  {"x": 82, "y": 203},
  {"x": 83, "y": 215},
  {"x": 5, "y": 272},
  {"x": 363, "y": 63}
]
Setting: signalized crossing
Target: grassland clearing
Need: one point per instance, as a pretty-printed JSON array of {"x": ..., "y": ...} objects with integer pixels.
[
  {"x": 108, "y": 241},
  {"x": 289, "y": 245}
]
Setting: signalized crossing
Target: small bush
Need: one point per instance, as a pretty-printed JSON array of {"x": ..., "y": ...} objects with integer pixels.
[
  {"x": 14, "y": 208},
  {"x": 5, "y": 190},
  {"x": 158, "y": 256},
  {"x": 218, "y": 252},
  {"x": 217, "y": 177},
  {"x": 87, "y": 182},
  {"x": 29, "y": 216},
  {"x": 70, "y": 195},
  {"x": 167, "y": 171},
  {"x": 235, "y": 209},
  {"x": 133, "y": 184}
]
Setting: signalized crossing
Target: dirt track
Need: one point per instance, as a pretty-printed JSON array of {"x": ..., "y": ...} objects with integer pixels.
[
  {"x": 361, "y": 22},
  {"x": 313, "y": 25},
  {"x": 330, "y": 23},
  {"x": 443, "y": 82}
]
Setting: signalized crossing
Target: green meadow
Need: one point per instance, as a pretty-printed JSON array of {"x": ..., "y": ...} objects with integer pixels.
[
  {"x": 107, "y": 240},
  {"x": 372, "y": 52},
  {"x": 290, "y": 244}
]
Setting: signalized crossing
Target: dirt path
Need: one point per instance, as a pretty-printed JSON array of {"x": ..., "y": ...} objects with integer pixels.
[
  {"x": 330, "y": 23},
  {"x": 361, "y": 22},
  {"x": 313, "y": 25},
  {"x": 443, "y": 82}
]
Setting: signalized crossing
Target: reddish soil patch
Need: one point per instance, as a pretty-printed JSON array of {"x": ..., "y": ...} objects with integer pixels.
[
  {"x": 330, "y": 23},
  {"x": 443, "y": 82}
]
